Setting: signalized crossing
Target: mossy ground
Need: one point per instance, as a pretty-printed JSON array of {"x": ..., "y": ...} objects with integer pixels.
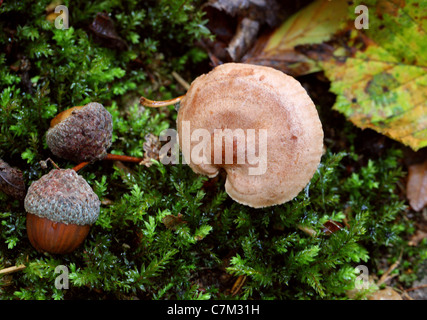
[{"x": 165, "y": 232}]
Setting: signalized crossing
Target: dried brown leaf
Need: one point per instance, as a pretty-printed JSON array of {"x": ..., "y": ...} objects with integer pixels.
[
  {"x": 416, "y": 188},
  {"x": 11, "y": 181},
  {"x": 105, "y": 33},
  {"x": 416, "y": 238},
  {"x": 236, "y": 25},
  {"x": 386, "y": 294},
  {"x": 172, "y": 222}
]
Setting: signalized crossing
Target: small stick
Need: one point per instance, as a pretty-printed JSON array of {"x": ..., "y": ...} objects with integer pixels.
[
  {"x": 111, "y": 157},
  {"x": 117, "y": 157},
  {"x": 422, "y": 286},
  {"x": 238, "y": 285},
  {"x": 158, "y": 104},
  {"x": 80, "y": 166},
  {"x": 180, "y": 80},
  {"x": 12, "y": 269},
  {"x": 385, "y": 277}
]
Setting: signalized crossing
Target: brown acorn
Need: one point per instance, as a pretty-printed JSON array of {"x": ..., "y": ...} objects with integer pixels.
[
  {"x": 81, "y": 134},
  {"x": 61, "y": 207}
]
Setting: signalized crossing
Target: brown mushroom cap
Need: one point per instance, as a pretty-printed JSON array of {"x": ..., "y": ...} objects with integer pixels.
[{"x": 242, "y": 96}]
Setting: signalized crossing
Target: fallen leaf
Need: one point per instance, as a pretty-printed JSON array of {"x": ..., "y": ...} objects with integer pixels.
[
  {"x": 330, "y": 227},
  {"x": 416, "y": 238},
  {"x": 11, "y": 181},
  {"x": 172, "y": 222},
  {"x": 380, "y": 74},
  {"x": 416, "y": 188},
  {"x": 105, "y": 33},
  {"x": 236, "y": 25},
  {"x": 314, "y": 24},
  {"x": 386, "y": 294}
]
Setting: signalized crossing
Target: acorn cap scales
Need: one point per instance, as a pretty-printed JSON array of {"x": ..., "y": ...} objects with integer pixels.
[
  {"x": 63, "y": 196},
  {"x": 82, "y": 133}
]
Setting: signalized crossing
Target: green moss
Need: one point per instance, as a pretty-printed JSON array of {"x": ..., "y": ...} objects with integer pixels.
[{"x": 165, "y": 232}]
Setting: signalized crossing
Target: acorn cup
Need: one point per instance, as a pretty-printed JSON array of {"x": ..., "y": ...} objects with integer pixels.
[{"x": 61, "y": 207}]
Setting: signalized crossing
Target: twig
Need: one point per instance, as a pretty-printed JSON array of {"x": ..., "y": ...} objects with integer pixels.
[
  {"x": 238, "y": 285},
  {"x": 80, "y": 166},
  {"x": 180, "y": 80},
  {"x": 422, "y": 286},
  {"x": 12, "y": 269},
  {"x": 113, "y": 157},
  {"x": 117, "y": 157},
  {"x": 158, "y": 104},
  {"x": 385, "y": 277}
]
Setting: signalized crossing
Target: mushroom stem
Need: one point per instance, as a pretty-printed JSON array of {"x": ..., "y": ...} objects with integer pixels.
[{"x": 158, "y": 104}]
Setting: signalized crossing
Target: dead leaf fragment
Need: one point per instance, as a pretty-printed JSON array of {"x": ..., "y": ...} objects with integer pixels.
[
  {"x": 416, "y": 238},
  {"x": 105, "y": 32},
  {"x": 331, "y": 227},
  {"x": 11, "y": 181},
  {"x": 386, "y": 294},
  {"x": 236, "y": 25},
  {"x": 172, "y": 222},
  {"x": 416, "y": 188},
  {"x": 312, "y": 25}
]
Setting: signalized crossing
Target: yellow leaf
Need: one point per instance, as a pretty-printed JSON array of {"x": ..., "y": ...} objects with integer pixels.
[
  {"x": 313, "y": 24},
  {"x": 380, "y": 74}
]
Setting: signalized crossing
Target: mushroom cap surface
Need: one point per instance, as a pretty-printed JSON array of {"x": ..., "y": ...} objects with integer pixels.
[
  {"x": 247, "y": 98},
  {"x": 63, "y": 196},
  {"x": 84, "y": 134}
]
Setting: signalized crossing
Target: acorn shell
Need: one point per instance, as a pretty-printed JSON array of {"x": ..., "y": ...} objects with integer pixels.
[
  {"x": 54, "y": 237},
  {"x": 61, "y": 207},
  {"x": 84, "y": 134}
]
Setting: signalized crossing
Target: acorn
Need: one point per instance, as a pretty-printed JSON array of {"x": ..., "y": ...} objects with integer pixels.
[
  {"x": 81, "y": 133},
  {"x": 61, "y": 207}
]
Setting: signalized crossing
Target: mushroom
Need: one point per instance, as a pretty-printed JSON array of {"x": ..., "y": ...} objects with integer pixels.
[{"x": 256, "y": 123}]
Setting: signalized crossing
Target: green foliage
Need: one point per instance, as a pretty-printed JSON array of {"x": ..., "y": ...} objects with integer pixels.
[
  {"x": 54, "y": 69},
  {"x": 165, "y": 232}
]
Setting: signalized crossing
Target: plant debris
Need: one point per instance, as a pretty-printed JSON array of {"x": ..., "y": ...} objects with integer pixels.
[
  {"x": 12, "y": 181},
  {"x": 416, "y": 187}
]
